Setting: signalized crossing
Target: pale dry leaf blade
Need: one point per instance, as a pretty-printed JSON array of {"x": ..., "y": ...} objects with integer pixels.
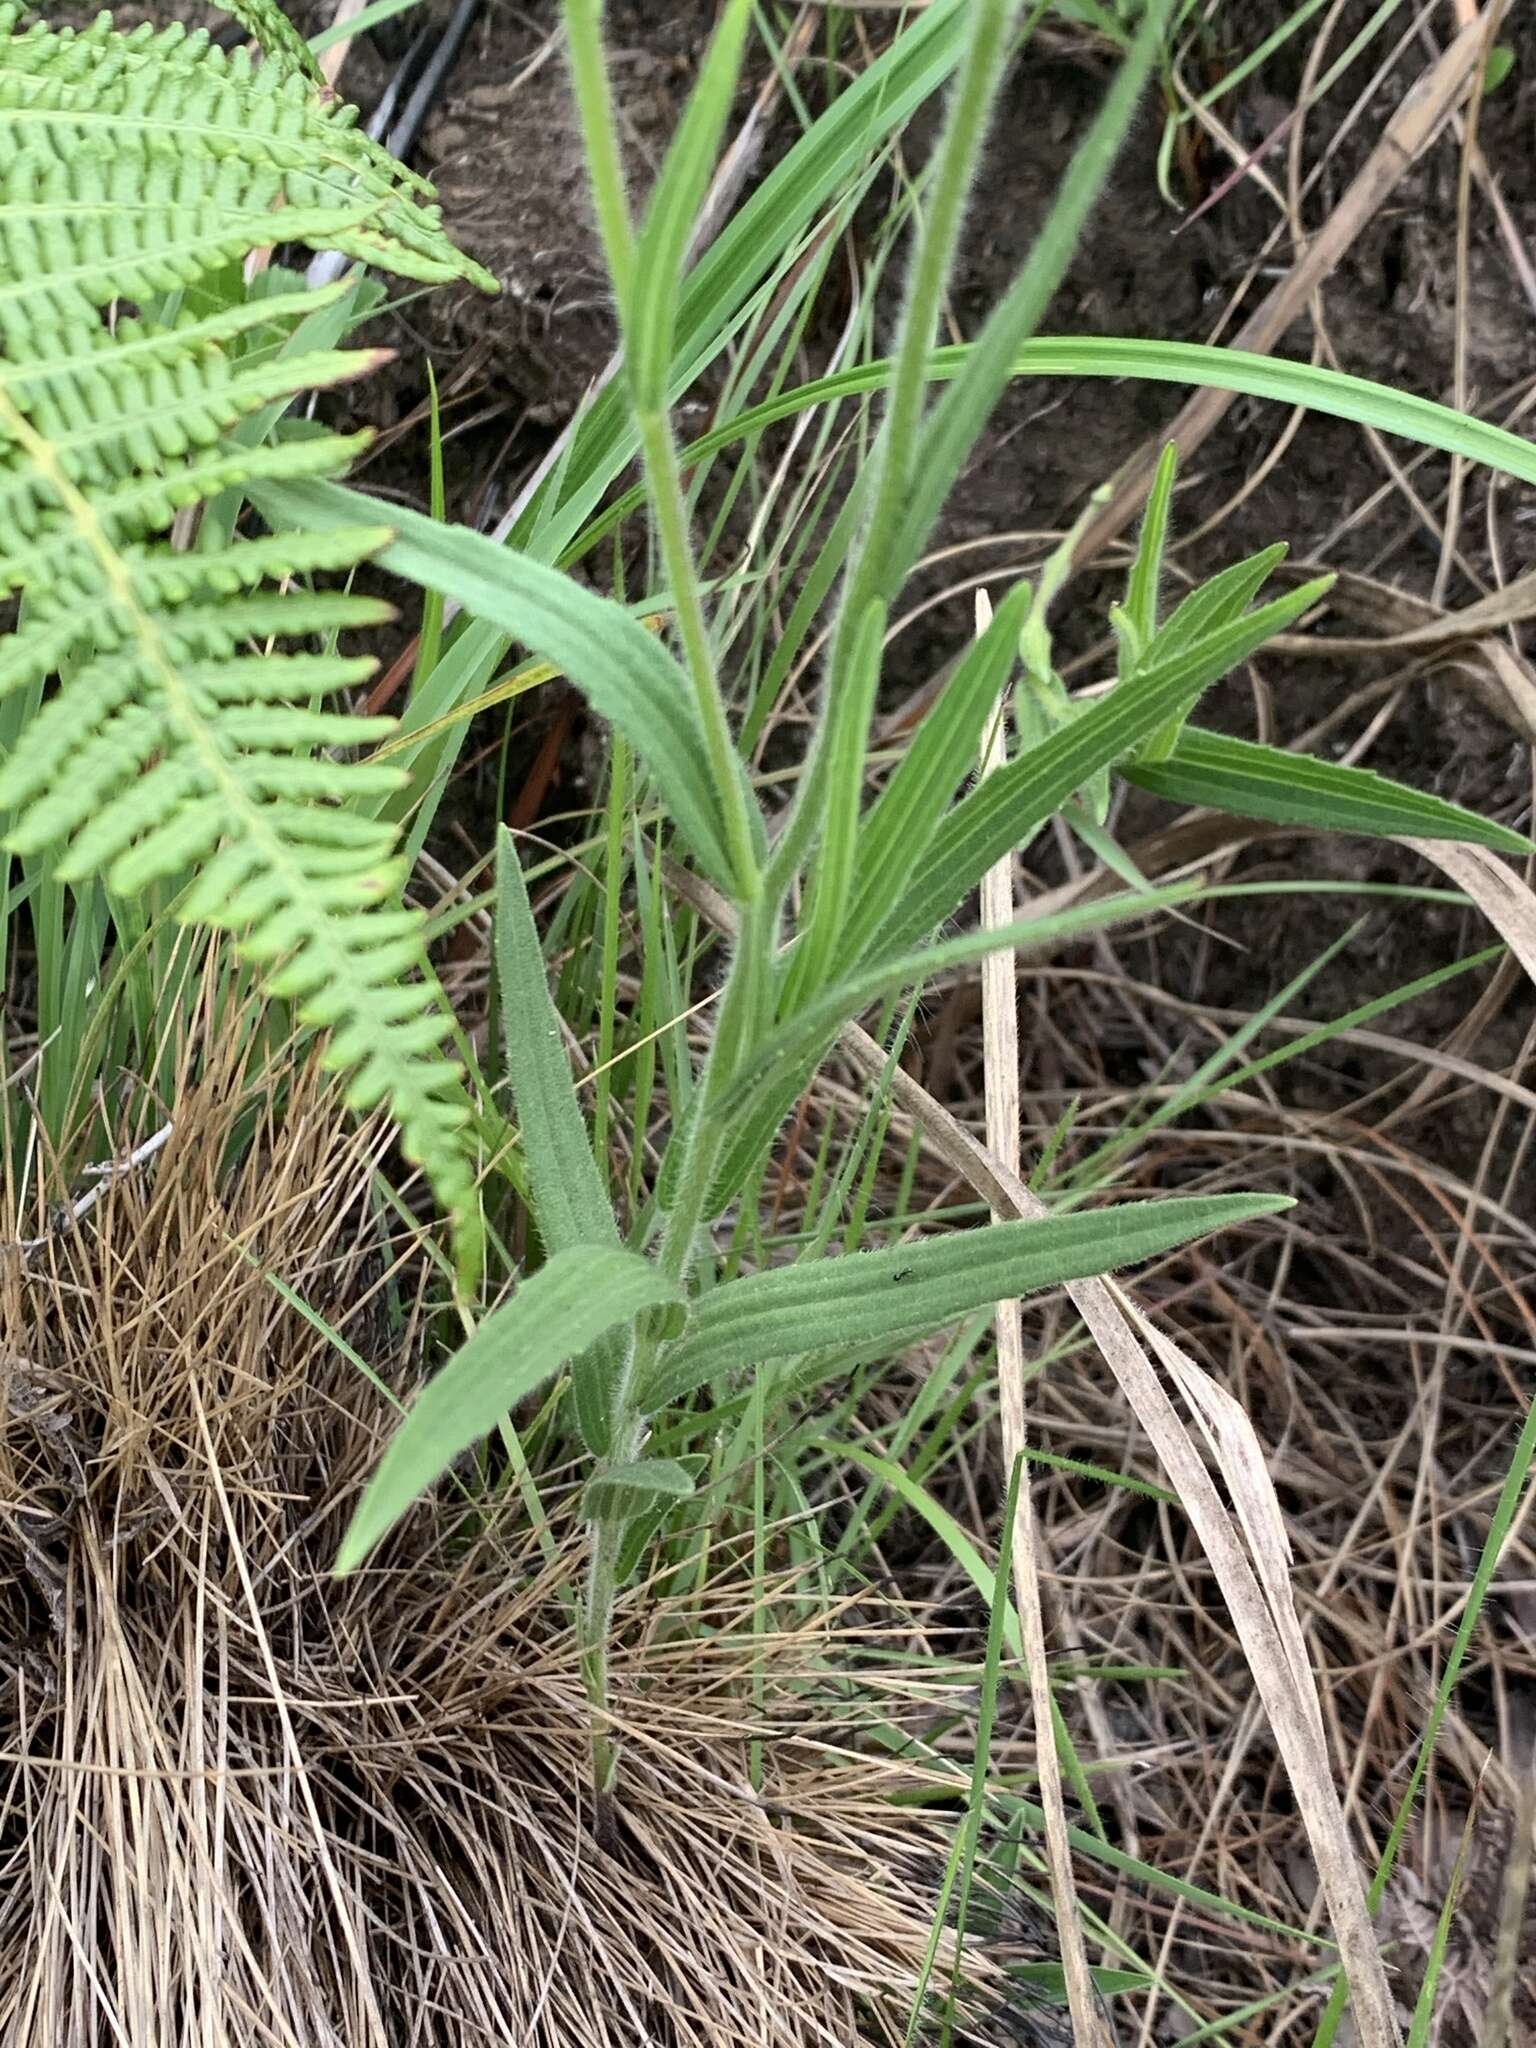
[
  {"x": 1234, "y": 1444},
  {"x": 1504, "y": 898},
  {"x": 1000, "y": 1028}
]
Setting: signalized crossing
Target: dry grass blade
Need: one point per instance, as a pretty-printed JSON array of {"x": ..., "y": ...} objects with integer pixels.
[
  {"x": 244, "y": 1806},
  {"x": 1289, "y": 1698},
  {"x": 1508, "y": 903},
  {"x": 1407, "y": 624},
  {"x": 1238, "y": 1456},
  {"x": 1000, "y": 1025}
]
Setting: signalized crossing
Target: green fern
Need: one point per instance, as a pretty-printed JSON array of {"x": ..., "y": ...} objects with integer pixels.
[
  {"x": 137, "y": 172},
  {"x": 266, "y": 22}
]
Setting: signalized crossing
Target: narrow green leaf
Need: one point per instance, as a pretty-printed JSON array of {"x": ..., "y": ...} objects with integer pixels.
[
  {"x": 1217, "y": 602},
  {"x": 555, "y": 1315},
  {"x": 898, "y": 1295},
  {"x": 625, "y": 1490},
  {"x": 1010, "y": 806},
  {"x": 815, "y": 174},
  {"x": 570, "y": 1202},
  {"x": 962, "y": 1862},
  {"x": 941, "y": 757},
  {"x": 1294, "y": 789},
  {"x": 1514, "y": 1501},
  {"x": 568, "y": 1194},
  {"x": 808, "y": 1031},
  {"x": 955, "y": 420},
  {"x": 672, "y": 214},
  {"x": 847, "y": 745},
  {"x": 623, "y": 671},
  {"x": 1331, "y": 392},
  {"x": 1429, "y": 1989},
  {"x": 642, "y": 1525},
  {"x": 1147, "y": 569}
]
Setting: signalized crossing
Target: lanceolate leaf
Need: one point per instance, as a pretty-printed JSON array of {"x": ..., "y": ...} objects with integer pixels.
[
  {"x": 673, "y": 210},
  {"x": 569, "y": 1201},
  {"x": 621, "y": 669},
  {"x": 1215, "y": 604},
  {"x": 1146, "y": 571},
  {"x": 561, "y": 1311},
  {"x": 903, "y": 1293},
  {"x": 1294, "y": 789},
  {"x": 941, "y": 756},
  {"x": 624, "y": 1490}
]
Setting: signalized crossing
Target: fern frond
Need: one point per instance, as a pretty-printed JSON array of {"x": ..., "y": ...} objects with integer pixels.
[
  {"x": 148, "y": 159},
  {"x": 189, "y": 741},
  {"x": 274, "y": 31}
]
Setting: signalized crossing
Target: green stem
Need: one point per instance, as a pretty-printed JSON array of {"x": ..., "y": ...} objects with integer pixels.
[
  {"x": 664, "y": 476},
  {"x": 599, "y": 132},
  {"x": 740, "y": 1017},
  {"x": 977, "y": 79},
  {"x": 605, "y": 168},
  {"x": 704, "y": 1140},
  {"x": 869, "y": 577},
  {"x": 596, "y": 1627}
]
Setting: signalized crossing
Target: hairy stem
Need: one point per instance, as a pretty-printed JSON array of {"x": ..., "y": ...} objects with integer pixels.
[{"x": 664, "y": 478}]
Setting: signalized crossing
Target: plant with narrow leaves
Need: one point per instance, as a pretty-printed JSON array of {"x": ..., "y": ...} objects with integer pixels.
[
  {"x": 870, "y": 885},
  {"x": 167, "y": 739}
]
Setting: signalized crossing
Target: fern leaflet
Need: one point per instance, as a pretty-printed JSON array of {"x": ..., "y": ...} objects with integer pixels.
[{"x": 179, "y": 736}]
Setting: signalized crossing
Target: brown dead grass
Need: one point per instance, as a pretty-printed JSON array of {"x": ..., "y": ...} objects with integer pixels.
[
  {"x": 1380, "y": 1338},
  {"x": 242, "y": 1804}
]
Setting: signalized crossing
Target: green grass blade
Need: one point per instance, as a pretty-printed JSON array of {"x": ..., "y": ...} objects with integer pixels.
[
  {"x": 963, "y": 1862},
  {"x": 556, "y": 1314},
  {"x": 1295, "y": 789},
  {"x": 897, "y": 1295},
  {"x": 816, "y": 173},
  {"x": 1358, "y": 400},
  {"x": 1424, "y": 2006},
  {"x": 1513, "y": 1502}
]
